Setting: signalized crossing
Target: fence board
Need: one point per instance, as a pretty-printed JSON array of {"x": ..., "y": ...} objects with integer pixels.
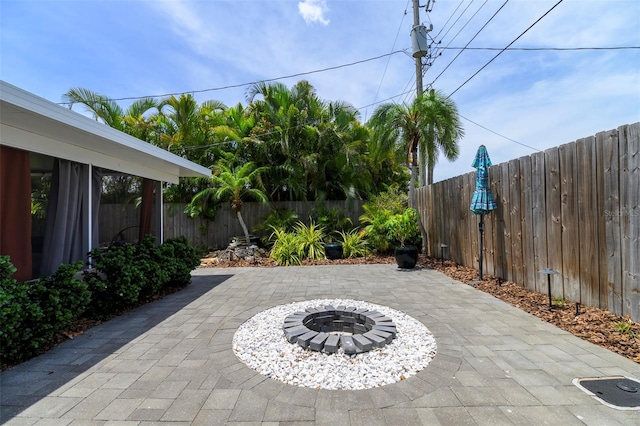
[
  {"x": 612, "y": 221},
  {"x": 506, "y": 220},
  {"x": 574, "y": 208},
  {"x": 495, "y": 174},
  {"x": 465, "y": 218},
  {"x": 526, "y": 203},
  {"x": 538, "y": 215},
  {"x": 629, "y": 217},
  {"x": 603, "y": 260},
  {"x": 570, "y": 236},
  {"x": 554, "y": 226},
  {"x": 451, "y": 208},
  {"x": 489, "y": 235},
  {"x": 589, "y": 279},
  {"x": 515, "y": 221}
]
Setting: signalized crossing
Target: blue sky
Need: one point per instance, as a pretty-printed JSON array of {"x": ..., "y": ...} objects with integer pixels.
[{"x": 537, "y": 98}]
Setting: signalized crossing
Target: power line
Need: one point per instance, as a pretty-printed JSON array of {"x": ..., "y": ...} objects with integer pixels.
[
  {"x": 496, "y": 133},
  {"x": 472, "y": 38},
  {"x": 232, "y": 86},
  {"x": 462, "y": 28},
  {"x": 504, "y": 49},
  {"x": 544, "y": 48},
  {"x": 375, "y": 98}
]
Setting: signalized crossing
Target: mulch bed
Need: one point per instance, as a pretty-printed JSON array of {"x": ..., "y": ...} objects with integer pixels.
[{"x": 616, "y": 333}]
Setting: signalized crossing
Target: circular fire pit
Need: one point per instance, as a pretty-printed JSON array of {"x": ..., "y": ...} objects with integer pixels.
[{"x": 328, "y": 328}]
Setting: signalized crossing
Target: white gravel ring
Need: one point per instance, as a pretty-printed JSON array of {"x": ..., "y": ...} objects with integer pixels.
[{"x": 260, "y": 344}]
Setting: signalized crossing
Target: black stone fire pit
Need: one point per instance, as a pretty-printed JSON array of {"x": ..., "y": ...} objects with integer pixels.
[{"x": 326, "y": 329}]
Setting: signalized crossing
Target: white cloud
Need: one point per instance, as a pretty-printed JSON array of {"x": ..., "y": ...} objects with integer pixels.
[{"x": 313, "y": 11}]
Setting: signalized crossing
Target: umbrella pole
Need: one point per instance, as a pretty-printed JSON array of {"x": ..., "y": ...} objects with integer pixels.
[{"x": 481, "y": 228}]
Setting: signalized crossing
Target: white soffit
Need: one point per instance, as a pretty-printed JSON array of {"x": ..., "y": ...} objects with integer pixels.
[{"x": 35, "y": 124}]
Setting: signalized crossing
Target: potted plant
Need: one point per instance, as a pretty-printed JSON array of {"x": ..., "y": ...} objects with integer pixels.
[
  {"x": 402, "y": 229},
  {"x": 333, "y": 221}
]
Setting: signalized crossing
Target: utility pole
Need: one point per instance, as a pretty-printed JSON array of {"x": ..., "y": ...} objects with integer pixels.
[
  {"x": 420, "y": 47},
  {"x": 414, "y": 144}
]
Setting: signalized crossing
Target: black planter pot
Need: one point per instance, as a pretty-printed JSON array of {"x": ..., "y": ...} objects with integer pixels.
[
  {"x": 333, "y": 250},
  {"x": 406, "y": 257}
]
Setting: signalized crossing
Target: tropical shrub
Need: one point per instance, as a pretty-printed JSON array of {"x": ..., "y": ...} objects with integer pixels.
[
  {"x": 285, "y": 250},
  {"x": 353, "y": 243},
  {"x": 333, "y": 222},
  {"x": 33, "y": 312},
  {"x": 310, "y": 240},
  {"x": 123, "y": 275},
  {"x": 115, "y": 280},
  {"x": 283, "y": 219},
  {"x": 377, "y": 212},
  {"x": 181, "y": 258},
  {"x": 403, "y": 228}
]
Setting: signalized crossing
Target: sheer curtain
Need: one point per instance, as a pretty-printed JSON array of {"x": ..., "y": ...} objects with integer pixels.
[{"x": 67, "y": 227}]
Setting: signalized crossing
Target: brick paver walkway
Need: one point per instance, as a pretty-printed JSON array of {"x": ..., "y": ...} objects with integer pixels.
[{"x": 170, "y": 362}]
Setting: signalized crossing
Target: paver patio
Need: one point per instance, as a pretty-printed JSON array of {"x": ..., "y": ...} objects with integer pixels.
[{"x": 170, "y": 362}]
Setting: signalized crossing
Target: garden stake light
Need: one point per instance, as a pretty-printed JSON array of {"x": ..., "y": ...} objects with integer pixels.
[{"x": 548, "y": 272}]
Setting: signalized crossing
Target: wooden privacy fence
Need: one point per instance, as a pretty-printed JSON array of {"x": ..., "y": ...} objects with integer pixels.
[
  {"x": 573, "y": 208},
  {"x": 214, "y": 234}
]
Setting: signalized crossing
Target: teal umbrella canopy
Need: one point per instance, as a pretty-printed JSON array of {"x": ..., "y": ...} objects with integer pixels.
[{"x": 482, "y": 202}]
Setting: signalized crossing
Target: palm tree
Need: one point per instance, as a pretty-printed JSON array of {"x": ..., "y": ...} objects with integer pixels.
[
  {"x": 429, "y": 125},
  {"x": 235, "y": 185}
]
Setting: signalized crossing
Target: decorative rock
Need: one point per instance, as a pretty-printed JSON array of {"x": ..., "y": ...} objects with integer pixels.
[
  {"x": 317, "y": 343},
  {"x": 347, "y": 344},
  {"x": 332, "y": 343},
  {"x": 304, "y": 339},
  {"x": 362, "y": 343},
  {"x": 376, "y": 340},
  {"x": 261, "y": 343}
]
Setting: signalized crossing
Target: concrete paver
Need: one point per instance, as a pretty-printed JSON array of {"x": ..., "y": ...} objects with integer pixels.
[{"x": 171, "y": 362}]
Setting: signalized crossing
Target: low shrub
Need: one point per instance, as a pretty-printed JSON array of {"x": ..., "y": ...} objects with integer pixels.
[
  {"x": 286, "y": 249},
  {"x": 282, "y": 219},
  {"x": 310, "y": 239},
  {"x": 181, "y": 258},
  {"x": 33, "y": 312},
  {"x": 123, "y": 275},
  {"x": 353, "y": 243}
]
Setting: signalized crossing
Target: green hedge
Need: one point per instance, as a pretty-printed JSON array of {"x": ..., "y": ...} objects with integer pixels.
[
  {"x": 123, "y": 275},
  {"x": 33, "y": 312}
]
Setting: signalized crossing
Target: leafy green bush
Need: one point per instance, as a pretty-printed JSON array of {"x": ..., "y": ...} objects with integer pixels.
[
  {"x": 181, "y": 258},
  {"x": 403, "y": 228},
  {"x": 115, "y": 280},
  {"x": 151, "y": 259},
  {"x": 333, "y": 222},
  {"x": 283, "y": 219},
  {"x": 375, "y": 221},
  {"x": 353, "y": 243},
  {"x": 310, "y": 240},
  {"x": 123, "y": 275},
  {"x": 33, "y": 312},
  {"x": 285, "y": 250},
  {"x": 377, "y": 212}
]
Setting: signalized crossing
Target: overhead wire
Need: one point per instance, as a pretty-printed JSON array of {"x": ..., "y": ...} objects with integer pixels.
[
  {"x": 232, "y": 86},
  {"x": 472, "y": 38},
  {"x": 498, "y": 134},
  {"x": 505, "y": 48},
  {"x": 384, "y": 73}
]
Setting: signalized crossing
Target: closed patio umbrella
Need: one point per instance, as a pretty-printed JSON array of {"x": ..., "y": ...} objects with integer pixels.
[{"x": 482, "y": 202}]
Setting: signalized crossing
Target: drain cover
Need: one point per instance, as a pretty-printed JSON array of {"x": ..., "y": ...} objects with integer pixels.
[{"x": 618, "y": 392}]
